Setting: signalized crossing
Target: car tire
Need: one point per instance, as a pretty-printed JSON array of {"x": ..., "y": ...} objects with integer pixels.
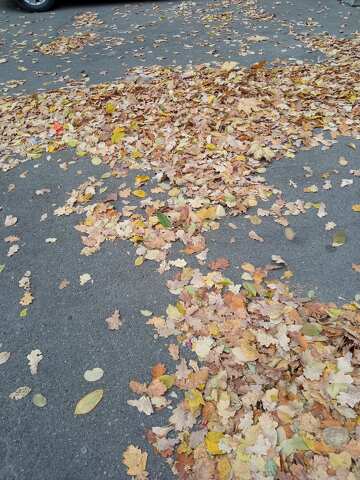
[{"x": 36, "y": 5}]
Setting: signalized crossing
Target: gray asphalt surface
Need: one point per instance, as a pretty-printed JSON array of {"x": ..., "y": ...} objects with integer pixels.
[{"x": 68, "y": 325}]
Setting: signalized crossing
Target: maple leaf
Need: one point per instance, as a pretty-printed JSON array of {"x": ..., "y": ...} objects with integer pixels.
[
  {"x": 135, "y": 460},
  {"x": 114, "y": 321}
]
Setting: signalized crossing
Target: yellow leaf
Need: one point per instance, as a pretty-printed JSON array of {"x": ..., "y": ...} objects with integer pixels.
[
  {"x": 211, "y": 147},
  {"x": 193, "y": 400},
  {"x": 167, "y": 380},
  {"x": 118, "y": 134},
  {"x": 356, "y": 207},
  {"x": 141, "y": 179},
  {"x": 224, "y": 468},
  {"x": 89, "y": 402},
  {"x": 246, "y": 352},
  {"x": 136, "y": 154},
  {"x": 207, "y": 213},
  {"x": 110, "y": 107},
  {"x": 212, "y": 441},
  {"x": 311, "y": 189},
  {"x": 139, "y": 193},
  {"x": 52, "y": 148},
  {"x": 139, "y": 261},
  {"x": 340, "y": 460}
]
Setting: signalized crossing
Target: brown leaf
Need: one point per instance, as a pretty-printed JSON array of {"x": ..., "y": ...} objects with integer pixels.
[
  {"x": 220, "y": 263},
  {"x": 137, "y": 387}
]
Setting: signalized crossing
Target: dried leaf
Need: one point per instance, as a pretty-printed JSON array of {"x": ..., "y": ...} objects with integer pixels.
[
  {"x": 10, "y": 220},
  {"x": 4, "y": 357},
  {"x": 34, "y": 357},
  {"x": 135, "y": 461},
  {"x": 220, "y": 263},
  {"x": 114, "y": 321},
  {"x": 94, "y": 374},
  {"x": 84, "y": 278},
  {"x": 143, "y": 404},
  {"x": 20, "y": 393}
]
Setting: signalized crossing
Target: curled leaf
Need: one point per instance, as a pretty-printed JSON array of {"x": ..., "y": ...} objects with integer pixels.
[{"x": 339, "y": 238}]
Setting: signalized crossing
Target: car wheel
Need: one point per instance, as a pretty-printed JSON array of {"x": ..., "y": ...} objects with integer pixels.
[{"x": 36, "y": 5}]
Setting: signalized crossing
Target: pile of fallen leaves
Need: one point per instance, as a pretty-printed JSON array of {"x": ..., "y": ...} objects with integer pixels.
[
  {"x": 63, "y": 45},
  {"x": 273, "y": 391},
  {"x": 87, "y": 19},
  {"x": 208, "y": 133}
]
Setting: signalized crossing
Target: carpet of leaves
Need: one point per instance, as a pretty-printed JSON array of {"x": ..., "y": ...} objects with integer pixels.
[{"x": 273, "y": 389}]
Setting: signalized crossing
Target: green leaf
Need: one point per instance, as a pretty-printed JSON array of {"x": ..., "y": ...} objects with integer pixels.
[
  {"x": 339, "y": 238},
  {"x": 334, "y": 312},
  {"x": 2, "y": 267},
  {"x": 250, "y": 289},
  {"x": 89, "y": 402},
  {"x": 39, "y": 400},
  {"x": 292, "y": 445},
  {"x": 311, "y": 329},
  {"x": 96, "y": 161},
  {"x": 270, "y": 468},
  {"x": 72, "y": 142},
  {"x": 164, "y": 220}
]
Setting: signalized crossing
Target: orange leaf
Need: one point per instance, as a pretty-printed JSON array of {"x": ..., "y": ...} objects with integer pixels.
[{"x": 158, "y": 370}]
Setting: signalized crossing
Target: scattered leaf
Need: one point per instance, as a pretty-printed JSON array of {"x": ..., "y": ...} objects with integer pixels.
[
  {"x": 87, "y": 403},
  {"x": 34, "y": 357},
  {"x": 114, "y": 321},
  {"x": 339, "y": 238},
  {"x": 39, "y": 400},
  {"x": 93, "y": 375},
  {"x": 4, "y": 357},
  {"x": 20, "y": 393}
]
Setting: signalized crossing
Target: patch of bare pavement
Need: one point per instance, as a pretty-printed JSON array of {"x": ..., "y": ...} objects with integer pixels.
[{"x": 179, "y": 216}]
